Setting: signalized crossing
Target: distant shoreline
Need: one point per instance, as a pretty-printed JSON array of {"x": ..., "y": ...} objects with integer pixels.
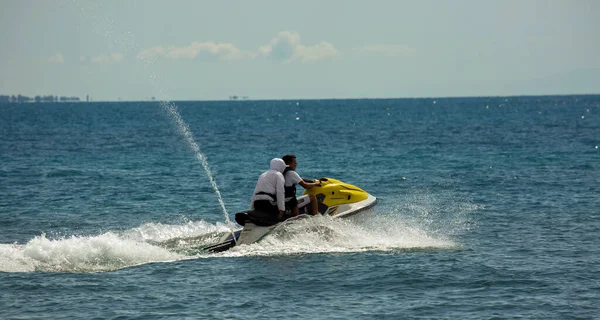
[{"x": 56, "y": 99}]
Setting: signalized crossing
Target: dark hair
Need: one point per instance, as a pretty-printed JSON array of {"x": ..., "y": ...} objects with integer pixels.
[{"x": 288, "y": 158}]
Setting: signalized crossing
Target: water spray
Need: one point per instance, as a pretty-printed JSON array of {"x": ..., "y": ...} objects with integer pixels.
[{"x": 127, "y": 39}]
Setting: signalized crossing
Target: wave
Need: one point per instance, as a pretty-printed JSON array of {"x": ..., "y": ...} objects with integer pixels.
[
  {"x": 151, "y": 242},
  {"x": 412, "y": 226},
  {"x": 328, "y": 235},
  {"x": 64, "y": 173},
  {"x": 105, "y": 252}
]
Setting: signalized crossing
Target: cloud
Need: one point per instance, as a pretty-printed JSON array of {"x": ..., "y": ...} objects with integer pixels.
[
  {"x": 286, "y": 47},
  {"x": 107, "y": 59},
  {"x": 151, "y": 53},
  {"x": 222, "y": 51},
  {"x": 282, "y": 47},
  {"x": 390, "y": 50},
  {"x": 323, "y": 50},
  {"x": 57, "y": 58}
]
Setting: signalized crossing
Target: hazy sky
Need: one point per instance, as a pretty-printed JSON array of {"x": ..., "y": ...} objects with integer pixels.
[{"x": 201, "y": 50}]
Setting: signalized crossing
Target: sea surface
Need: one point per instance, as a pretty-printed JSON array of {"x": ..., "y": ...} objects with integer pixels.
[{"x": 489, "y": 208}]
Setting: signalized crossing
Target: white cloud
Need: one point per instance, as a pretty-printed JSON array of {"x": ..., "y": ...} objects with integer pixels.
[
  {"x": 57, "y": 58},
  {"x": 282, "y": 47},
  {"x": 151, "y": 53},
  {"x": 286, "y": 47},
  {"x": 106, "y": 59},
  {"x": 323, "y": 50},
  {"x": 222, "y": 51},
  {"x": 391, "y": 50}
]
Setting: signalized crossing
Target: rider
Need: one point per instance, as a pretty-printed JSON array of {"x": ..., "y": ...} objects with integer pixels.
[
  {"x": 291, "y": 179},
  {"x": 269, "y": 194}
]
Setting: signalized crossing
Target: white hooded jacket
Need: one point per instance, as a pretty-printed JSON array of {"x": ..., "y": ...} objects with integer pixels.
[{"x": 271, "y": 182}]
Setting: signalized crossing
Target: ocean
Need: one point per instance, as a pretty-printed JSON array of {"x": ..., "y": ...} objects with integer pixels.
[{"x": 489, "y": 208}]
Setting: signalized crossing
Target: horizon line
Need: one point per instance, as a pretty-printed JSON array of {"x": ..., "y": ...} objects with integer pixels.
[{"x": 308, "y": 99}]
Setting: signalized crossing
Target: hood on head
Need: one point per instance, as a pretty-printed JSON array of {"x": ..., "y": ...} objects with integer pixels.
[{"x": 277, "y": 164}]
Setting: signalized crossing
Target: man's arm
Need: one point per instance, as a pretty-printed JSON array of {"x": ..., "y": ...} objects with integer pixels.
[{"x": 308, "y": 185}]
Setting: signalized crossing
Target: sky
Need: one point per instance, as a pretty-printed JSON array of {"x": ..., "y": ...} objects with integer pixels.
[{"x": 211, "y": 50}]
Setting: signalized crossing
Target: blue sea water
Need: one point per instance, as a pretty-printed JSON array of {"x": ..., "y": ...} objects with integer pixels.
[{"x": 488, "y": 207}]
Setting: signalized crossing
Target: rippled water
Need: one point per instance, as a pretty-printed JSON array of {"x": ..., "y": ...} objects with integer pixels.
[{"x": 488, "y": 208}]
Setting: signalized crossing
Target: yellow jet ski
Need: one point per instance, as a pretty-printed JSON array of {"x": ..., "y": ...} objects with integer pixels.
[{"x": 335, "y": 198}]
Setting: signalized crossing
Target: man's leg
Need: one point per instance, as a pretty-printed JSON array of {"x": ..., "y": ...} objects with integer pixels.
[
  {"x": 313, "y": 204},
  {"x": 292, "y": 206}
]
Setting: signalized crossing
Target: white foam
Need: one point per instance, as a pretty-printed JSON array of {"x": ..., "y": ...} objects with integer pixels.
[
  {"x": 150, "y": 242},
  {"x": 158, "y": 232},
  {"x": 155, "y": 242},
  {"x": 416, "y": 222},
  {"x": 82, "y": 254},
  {"x": 413, "y": 221},
  {"x": 328, "y": 235},
  {"x": 13, "y": 259}
]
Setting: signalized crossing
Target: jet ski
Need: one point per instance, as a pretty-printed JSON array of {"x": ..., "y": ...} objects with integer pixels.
[{"x": 335, "y": 198}]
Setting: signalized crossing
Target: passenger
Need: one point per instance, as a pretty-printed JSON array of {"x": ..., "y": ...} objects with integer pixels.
[{"x": 269, "y": 194}]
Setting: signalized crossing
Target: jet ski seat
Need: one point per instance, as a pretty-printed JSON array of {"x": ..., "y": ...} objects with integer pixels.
[{"x": 256, "y": 217}]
